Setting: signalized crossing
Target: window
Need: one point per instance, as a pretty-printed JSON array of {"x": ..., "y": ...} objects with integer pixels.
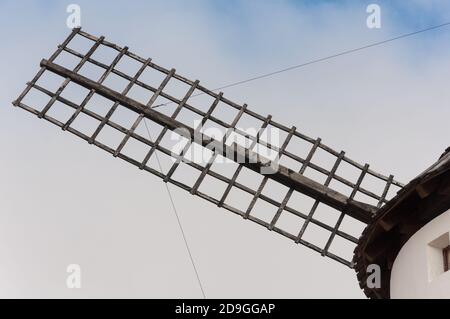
[
  {"x": 446, "y": 253},
  {"x": 438, "y": 256}
]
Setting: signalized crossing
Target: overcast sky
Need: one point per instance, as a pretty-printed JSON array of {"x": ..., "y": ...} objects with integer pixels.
[{"x": 64, "y": 202}]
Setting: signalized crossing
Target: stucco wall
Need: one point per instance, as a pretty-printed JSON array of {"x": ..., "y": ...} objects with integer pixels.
[{"x": 418, "y": 269}]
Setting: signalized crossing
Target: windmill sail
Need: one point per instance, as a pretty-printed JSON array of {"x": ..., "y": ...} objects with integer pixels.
[{"x": 109, "y": 88}]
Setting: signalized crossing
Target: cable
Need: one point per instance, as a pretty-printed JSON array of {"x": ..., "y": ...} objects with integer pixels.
[
  {"x": 178, "y": 218},
  {"x": 258, "y": 77},
  {"x": 265, "y": 76}
]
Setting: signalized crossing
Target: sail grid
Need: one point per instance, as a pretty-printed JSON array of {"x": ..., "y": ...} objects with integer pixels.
[{"x": 132, "y": 108}]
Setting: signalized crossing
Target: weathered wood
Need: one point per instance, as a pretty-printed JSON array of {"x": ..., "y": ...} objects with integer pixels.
[
  {"x": 397, "y": 221},
  {"x": 244, "y": 156},
  {"x": 224, "y": 139},
  {"x": 343, "y": 213},
  {"x": 92, "y": 92},
  {"x": 67, "y": 80},
  {"x": 61, "y": 47},
  {"x": 317, "y": 202},
  {"x": 141, "y": 116},
  {"x": 248, "y": 112},
  {"x": 239, "y": 168},
  {"x": 291, "y": 190},
  {"x": 385, "y": 191},
  {"x": 358, "y": 210},
  {"x": 116, "y": 104}
]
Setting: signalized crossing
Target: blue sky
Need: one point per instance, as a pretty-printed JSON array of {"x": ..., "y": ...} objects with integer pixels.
[
  {"x": 242, "y": 25},
  {"x": 388, "y": 106}
]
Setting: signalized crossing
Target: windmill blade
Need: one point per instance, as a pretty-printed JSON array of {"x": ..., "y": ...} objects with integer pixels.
[{"x": 259, "y": 163}]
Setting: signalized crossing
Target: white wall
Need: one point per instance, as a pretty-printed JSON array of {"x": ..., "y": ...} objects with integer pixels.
[{"x": 418, "y": 268}]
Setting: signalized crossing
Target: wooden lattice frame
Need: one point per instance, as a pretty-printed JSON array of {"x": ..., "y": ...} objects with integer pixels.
[{"x": 295, "y": 181}]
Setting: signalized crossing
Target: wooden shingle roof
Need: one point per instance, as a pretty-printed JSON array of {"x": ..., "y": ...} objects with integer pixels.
[{"x": 421, "y": 200}]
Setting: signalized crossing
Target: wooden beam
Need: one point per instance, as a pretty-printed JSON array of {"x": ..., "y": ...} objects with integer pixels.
[{"x": 244, "y": 156}]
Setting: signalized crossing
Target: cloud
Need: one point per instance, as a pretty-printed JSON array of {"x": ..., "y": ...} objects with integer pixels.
[{"x": 64, "y": 202}]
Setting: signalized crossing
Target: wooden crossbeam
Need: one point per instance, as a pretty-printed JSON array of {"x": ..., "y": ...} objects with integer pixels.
[{"x": 252, "y": 160}]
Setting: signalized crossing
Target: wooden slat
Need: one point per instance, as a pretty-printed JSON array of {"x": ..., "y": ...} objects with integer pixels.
[
  {"x": 165, "y": 129},
  {"x": 358, "y": 210},
  {"x": 317, "y": 202},
  {"x": 41, "y": 71},
  {"x": 214, "y": 156},
  {"x": 343, "y": 213},
  {"x": 67, "y": 80},
  {"x": 385, "y": 191},
  {"x": 293, "y": 180},
  {"x": 141, "y": 116},
  {"x": 116, "y": 104},
  {"x": 92, "y": 92},
  {"x": 266, "y": 178},
  {"x": 168, "y": 152},
  {"x": 291, "y": 190},
  {"x": 239, "y": 168},
  {"x": 186, "y": 147}
]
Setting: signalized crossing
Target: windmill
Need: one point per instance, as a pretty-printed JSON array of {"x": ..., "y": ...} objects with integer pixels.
[{"x": 270, "y": 162}]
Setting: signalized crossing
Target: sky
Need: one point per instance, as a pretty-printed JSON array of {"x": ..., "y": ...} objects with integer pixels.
[{"x": 63, "y": 202}]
